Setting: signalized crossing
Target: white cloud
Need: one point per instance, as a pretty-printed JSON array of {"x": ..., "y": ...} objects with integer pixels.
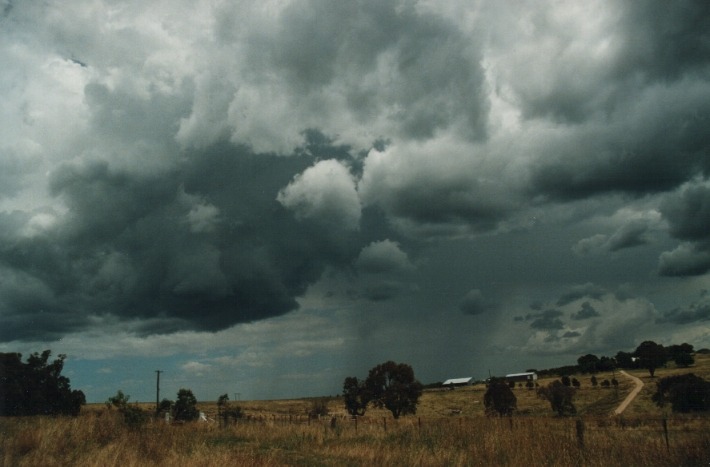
[{"x": 325, "y": 193}]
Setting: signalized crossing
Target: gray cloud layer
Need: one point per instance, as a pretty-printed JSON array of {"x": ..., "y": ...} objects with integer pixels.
[{"x": 169, "y": 167}]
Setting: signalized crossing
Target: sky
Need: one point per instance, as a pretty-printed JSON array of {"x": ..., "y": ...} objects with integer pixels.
[{"x": 261, "y": 198}]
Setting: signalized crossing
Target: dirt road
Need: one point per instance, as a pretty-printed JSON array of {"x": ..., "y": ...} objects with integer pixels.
[{"x": 632, "y": 394}]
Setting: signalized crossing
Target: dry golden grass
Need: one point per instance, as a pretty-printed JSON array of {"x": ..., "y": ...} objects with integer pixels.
[{"x": 279, "y": 433}]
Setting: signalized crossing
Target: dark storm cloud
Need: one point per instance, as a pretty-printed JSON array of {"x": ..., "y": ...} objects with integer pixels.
[
  {"x": 578, "y": 292},
  {"x": 652, "y": 92},
  {"x": 435, "y": 72},
  {"x": 688, "y": 216},
  {"x": 547, "y": 320},
  {"x": 474, "y": 303},
  {"x": 587, "y": 311},
  {"x": 198, "y": 247},
  {"x": 694, "y": 312},
  {"x": 665, "y": 40},
  {"x": 632, "y": 234},
  {"x": 688, "y": 213}
]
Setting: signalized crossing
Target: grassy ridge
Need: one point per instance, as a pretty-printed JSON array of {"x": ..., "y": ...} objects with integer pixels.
[{"x": 278, "y": 433}]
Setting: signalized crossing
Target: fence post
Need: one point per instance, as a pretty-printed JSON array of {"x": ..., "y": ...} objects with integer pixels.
[
  {"x": 580, "y": 433},
  {"x": 665, "y": 433}
]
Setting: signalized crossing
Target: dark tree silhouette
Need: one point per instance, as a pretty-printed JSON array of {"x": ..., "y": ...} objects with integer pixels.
[
  {"x": 685, "y": 393},
  {"x": 683, "y": 359},
  {"x": 37, "y": 386},
  {"x": 588, "y": 363},
  {"x": 650, "y": 356},
  {"x": 185, "y": 406},
  {"x": 560, "y": 398},
  {"x": 499, "y": 398},
  {"x": 393, "y": 386},
  {"x": 355, "y": 396}
]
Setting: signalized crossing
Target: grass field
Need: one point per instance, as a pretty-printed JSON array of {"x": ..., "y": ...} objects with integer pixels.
[{"x": 449, "y": 429}]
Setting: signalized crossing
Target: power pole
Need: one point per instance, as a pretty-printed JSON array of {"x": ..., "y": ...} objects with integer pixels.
[{"x": 157, "y": 389}]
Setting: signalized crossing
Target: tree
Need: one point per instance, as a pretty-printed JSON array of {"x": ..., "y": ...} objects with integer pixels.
[
  {"x": 165, "y": 406},
  {"x": 499, "y": 398},
  {"x": 36, "y": 387},
  {"x": 133, "y": 416},
  {"x": 686, "y": 393},
  {"x": 560, "y": 398},
  {"x": 185, "y": 406},
  {"x": 225, "y": 411},
  {"x": 684, "y": 359},
  {"x": 566, "y": 381},
  {"x": 355, "y": 396},
  {"x": 650, "y": 356},
  {"x": 594, "y": 381},
  {"x": 625, "y": 360},
  {"x": 576, "y": 383},
  {"x": 588, "y": 363},
  {"x": 393, "y": 386}
]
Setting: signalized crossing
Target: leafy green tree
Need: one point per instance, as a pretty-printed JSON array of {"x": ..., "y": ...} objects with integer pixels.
[
  {"x": 185, "y": 406},
  {"x": 594, "y": 381},
  {"x": 650, "y": 356},
  {"x": 355, "y": 396},
  {"x": 560, "y": 398},
  {"x": 686, "y": 393},
  {"x": 499, "y": 398},
  {"x": 393, "y": 386},
  {"x": 37, "y": 386}
]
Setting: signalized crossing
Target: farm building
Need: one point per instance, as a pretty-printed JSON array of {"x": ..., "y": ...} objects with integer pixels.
[
  {"x": 451, "y": 383},
  {"x": 521, "y": 377}
]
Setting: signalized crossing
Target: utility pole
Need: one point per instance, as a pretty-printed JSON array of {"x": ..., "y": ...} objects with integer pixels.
[{"x": 157, "y": 389}]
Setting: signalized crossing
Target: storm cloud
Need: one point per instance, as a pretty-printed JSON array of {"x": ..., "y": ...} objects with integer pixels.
[{"x": 376, "y": 179}]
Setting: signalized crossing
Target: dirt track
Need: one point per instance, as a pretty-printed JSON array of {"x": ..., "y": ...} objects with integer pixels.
[{"x": 632, "y": 394}]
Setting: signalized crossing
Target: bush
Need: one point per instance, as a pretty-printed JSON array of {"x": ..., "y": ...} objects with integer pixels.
[
  {"x": 185, "y": 408},
  {"x": 560, "y": 398},
  {"x": 686, "y": 393},
  {"x": 133, "y": 416},
  {"x": 499, "y": 398},
  {"x": 319, "y": 408}
]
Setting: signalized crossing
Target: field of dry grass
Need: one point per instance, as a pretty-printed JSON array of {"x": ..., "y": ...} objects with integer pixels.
[{"x": 449, "y": 429}]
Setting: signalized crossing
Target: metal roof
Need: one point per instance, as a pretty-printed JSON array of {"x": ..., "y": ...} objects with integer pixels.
[{"x": 458, "y": 381}]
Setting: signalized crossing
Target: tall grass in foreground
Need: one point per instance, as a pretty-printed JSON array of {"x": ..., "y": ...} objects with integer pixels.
[{"x": 101, "y": 439}]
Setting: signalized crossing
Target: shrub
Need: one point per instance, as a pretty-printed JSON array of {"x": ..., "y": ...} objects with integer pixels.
[
  {"x": 685, "y": 393},
  {"x": 319, "y": 408},
  {"x": 499, "y": 398},
  {"x": 560, "y": 398},
  {"x": 185, "y": 406}
]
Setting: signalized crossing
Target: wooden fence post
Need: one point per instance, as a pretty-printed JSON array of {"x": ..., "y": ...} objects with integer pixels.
[
  {"x": 580, "y": 433},
  {"x": 664, "y": 423}
]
